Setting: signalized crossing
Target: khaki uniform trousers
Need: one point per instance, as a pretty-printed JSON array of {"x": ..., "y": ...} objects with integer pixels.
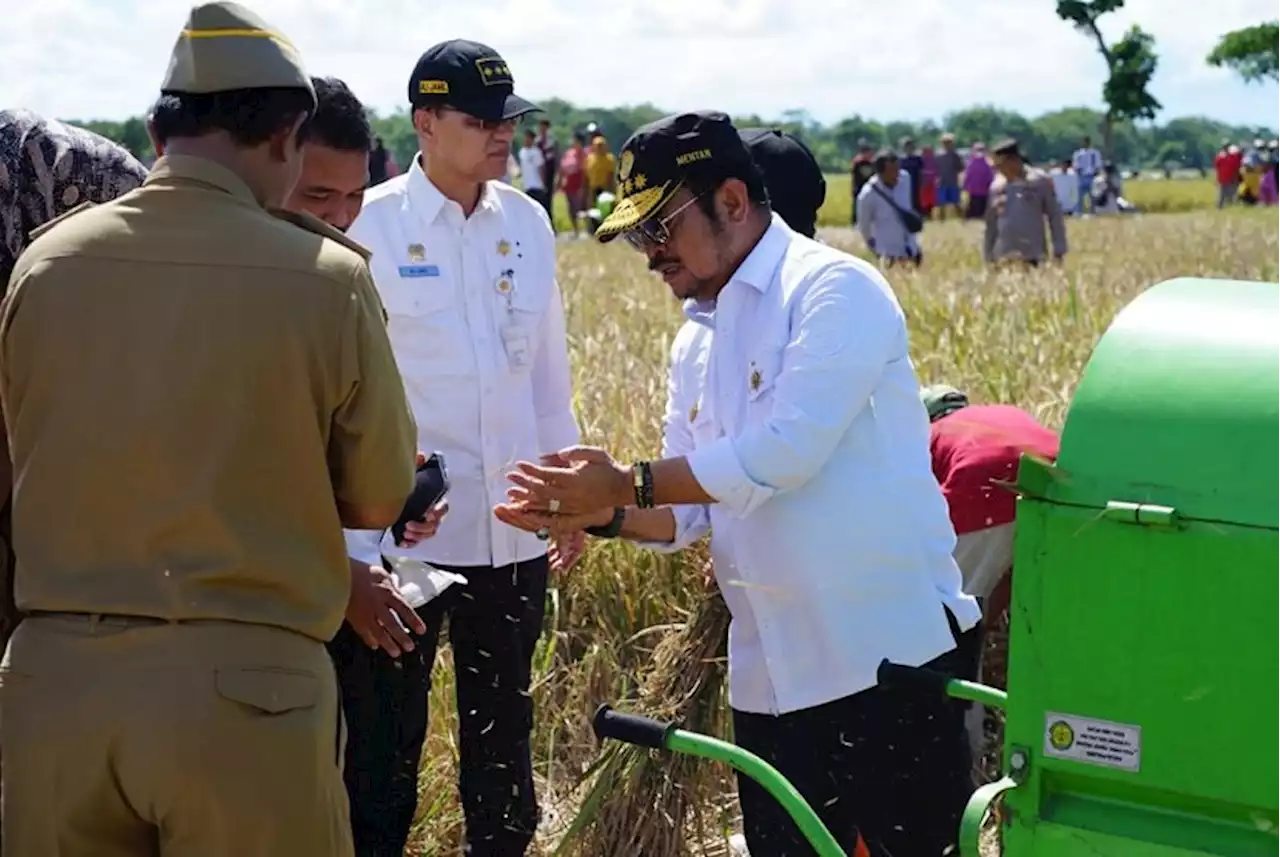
[{"x": 139, "y": 738}]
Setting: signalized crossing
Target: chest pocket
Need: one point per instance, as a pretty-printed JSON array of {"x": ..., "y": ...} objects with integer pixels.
[
  {"x": 414, "y": 289},
  {"x": 764, "y": 366}
]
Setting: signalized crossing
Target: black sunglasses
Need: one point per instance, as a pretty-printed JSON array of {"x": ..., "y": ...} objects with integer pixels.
[{"x": 655, "y": 232}]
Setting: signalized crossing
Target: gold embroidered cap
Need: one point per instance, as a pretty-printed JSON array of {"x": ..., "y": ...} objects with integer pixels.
[
  {"x": 225, "y": 46},
  {"x": 657, "y": 160}
]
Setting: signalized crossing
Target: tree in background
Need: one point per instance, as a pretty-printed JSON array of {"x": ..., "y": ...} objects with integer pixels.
[
  {"x": 1049, "y": 137},
  {"x": 1131, "y": 63},
  {"x": 1250, "y": 52}
]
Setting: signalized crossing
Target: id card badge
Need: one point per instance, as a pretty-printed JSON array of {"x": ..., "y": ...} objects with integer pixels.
[{"x": 515, "y": 341}]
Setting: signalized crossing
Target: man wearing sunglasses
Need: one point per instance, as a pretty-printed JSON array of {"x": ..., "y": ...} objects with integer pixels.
[
  {"x": 810, "y": 452},
  {"x": 466, "y": 269}
]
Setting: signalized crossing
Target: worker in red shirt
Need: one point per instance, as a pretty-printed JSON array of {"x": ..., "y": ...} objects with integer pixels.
[
  {"x": 1227, "y": 164},
  {"x": 976, "y": 448}
]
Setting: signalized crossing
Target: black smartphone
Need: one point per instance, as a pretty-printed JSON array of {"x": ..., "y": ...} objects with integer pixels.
[{"x": 429, "y": 488}]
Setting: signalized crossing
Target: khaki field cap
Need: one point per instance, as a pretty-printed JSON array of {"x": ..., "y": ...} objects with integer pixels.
[{"x": 224, "y": 47}]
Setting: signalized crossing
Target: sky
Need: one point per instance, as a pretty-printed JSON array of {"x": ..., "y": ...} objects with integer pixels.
[{"x": 104, "y": 59}]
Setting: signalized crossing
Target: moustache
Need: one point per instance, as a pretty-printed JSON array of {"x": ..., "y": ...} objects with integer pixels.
[{"x": 655, "y": 264}]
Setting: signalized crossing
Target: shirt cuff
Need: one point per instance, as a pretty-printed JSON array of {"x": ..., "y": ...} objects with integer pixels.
[
  {"x": 364, "y": 545},
  {"x": 557, "y": 432},
  {"x": 721, "y": 475},
  {"x": 692, "y": 523}
]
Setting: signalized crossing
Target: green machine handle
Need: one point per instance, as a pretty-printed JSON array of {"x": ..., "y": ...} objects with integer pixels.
[
  {"x": 890, "y": 674},
  {"x": 646, "y": 732}
]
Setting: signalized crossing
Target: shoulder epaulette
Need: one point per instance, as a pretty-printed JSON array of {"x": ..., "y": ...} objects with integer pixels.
[
  {"x": 313, "y": 224},
  {"x": 47, "y": 225}
]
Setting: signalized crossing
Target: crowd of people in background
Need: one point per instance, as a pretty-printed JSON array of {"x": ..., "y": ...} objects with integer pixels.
[
  {"x": 897, "y": 190},
  {"x": 1246, "y": 176}
]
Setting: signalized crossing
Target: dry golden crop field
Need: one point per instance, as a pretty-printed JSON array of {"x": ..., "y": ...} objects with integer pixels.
[{"x": 1018, "y": 337}]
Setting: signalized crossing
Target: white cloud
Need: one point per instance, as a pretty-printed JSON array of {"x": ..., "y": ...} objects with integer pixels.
[{"x": 105, "y": 58}]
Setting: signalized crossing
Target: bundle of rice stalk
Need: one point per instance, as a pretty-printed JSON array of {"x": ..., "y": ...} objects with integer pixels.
[{"x": 648, "y": 803}]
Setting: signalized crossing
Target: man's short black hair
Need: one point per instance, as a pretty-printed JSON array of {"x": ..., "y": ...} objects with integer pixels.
[
  {"x": 883, "y": 158},
  {"x": 341, "y": 121},
  {"x": 749, "y": 174},
  {"x": 249, "y": 116}
]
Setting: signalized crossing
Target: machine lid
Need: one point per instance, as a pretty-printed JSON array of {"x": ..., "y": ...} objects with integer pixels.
[{"x": 1179, "y": 408}]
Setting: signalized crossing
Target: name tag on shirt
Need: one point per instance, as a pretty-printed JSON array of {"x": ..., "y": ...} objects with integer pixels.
[
  {"x": 515, "y": 340},
  {"x": 419, "y": 270}
]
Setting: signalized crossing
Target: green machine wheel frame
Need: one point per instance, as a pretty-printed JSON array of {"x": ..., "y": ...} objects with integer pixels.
[{"x": 646, "y": 732}]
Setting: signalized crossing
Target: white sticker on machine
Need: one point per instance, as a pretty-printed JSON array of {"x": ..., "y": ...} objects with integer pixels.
[{"x": 1093, "y": 742}]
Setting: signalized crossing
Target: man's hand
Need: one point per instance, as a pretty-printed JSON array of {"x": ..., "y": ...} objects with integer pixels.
[
  {"x": 378, "y": 613},
  {"x": 566, "y": 549},
  {"x": 513, "y": 514},
  {"x": 584, "y": 479},
  {"x": 416, "y": 532}
]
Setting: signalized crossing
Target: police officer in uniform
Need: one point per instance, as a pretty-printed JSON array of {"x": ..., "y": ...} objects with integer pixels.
[{"x": 199, "y": 394}]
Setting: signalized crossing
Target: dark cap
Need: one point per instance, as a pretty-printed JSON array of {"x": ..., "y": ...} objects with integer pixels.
[
  {"x": 657, "y": 160},
  {"x": 941, "y": 399},
  {"x": 792, "y": 176},
  {"x": 1007, "y": 146},
  {"x": 469, "y": 77},
  {"x": 224, "y": 46}
]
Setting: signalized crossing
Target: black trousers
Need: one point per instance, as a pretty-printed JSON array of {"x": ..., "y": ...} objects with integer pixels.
[
  {"x": 494, "y": 624},
  {"x": 891, "y": 764}
]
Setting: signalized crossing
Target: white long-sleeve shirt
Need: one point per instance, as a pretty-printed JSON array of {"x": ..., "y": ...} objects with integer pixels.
[
  {"x": 798, "y": 409},
  {"x": 477, "y": 325},
  {"x": 881, "y": 226}
]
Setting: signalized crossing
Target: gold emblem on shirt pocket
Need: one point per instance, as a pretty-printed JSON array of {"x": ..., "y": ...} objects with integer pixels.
[{"x": 762, "y": 373}]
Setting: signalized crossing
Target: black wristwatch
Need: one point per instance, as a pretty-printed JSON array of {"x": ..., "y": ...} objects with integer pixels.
[{"x": 610, "y": 530}]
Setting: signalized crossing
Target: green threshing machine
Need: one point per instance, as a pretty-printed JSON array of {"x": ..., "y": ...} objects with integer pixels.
[{"x": 1142, "y": 712}]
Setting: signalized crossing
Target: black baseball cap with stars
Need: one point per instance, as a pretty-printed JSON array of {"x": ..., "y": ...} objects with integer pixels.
[
  {"x": 659, "y": 158},
  {"x": 469, "y": 77}
]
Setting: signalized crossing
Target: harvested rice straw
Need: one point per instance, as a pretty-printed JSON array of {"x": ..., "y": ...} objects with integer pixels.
[{"x": 646, "y": 803}]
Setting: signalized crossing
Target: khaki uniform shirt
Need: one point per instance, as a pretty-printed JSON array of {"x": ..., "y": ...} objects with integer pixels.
[
  {"x": 189, "y": 382},
  {"x": 1016, "y": 215}
]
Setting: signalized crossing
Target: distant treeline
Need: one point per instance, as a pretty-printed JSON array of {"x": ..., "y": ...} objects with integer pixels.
[{"x": 1189, "y": 142}]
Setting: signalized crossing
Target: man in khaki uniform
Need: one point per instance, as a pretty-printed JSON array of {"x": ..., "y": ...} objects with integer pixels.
[
  {"x": 1022, "y": 199},
  {"x": 199, "y": 395}
]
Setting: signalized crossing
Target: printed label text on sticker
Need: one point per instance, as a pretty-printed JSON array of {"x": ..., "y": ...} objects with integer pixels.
[{"x": 1092, "y": 742}]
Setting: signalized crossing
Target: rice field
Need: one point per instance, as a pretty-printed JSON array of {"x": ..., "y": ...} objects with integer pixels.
[{"x": 1016, "y": 337}]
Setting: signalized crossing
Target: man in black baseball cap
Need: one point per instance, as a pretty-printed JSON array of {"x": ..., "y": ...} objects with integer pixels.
[
  {"x": 797, "y": 188},
  {"x": 690, "y": 176},
  {"x": 468, "y": 77},
  {"x": 796, "y": 396}
]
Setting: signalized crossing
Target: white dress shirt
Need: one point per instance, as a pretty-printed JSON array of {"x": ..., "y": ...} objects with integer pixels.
[
  {"x": 477, "y": 325},
  {"x": 532, "y": 163},
  {"x": 798, "y": 409},
  {"x": 880, "y": 224},
  {"x": 1067, "y": 188}
]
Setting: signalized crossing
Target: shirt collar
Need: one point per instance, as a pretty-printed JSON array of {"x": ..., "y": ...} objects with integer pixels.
[
  {"x": 757, "y": 270},
  {"x": 202, "y": 170},
  {"x": 428, "y": 199},
  {"x": 761, "y": 264}
]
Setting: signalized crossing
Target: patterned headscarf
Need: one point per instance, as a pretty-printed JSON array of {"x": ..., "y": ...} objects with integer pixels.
[{"x": 47, "y": 168}]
